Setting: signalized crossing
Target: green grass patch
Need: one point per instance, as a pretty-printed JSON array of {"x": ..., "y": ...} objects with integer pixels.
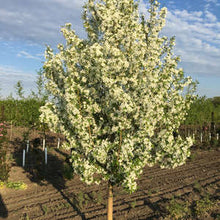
[{"x": 19, "y": 185}]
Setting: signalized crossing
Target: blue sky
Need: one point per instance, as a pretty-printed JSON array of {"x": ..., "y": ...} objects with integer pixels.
[{"x": 26, "y": 26}]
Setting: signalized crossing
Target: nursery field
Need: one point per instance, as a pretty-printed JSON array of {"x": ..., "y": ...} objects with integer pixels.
[{"x": 191, "y": 191}]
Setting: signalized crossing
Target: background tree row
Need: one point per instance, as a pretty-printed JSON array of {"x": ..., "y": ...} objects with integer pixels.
[{"x": 201, "y": 111}]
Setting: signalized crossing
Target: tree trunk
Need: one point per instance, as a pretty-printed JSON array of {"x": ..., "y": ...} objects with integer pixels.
[
  {"x": 110, "y": 201},
  {"x": 11, "y": 131},
  {"x": 212, "y": 130}
]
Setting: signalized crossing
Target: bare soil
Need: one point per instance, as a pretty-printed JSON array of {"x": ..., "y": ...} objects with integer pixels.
[{"x": 49, "y": 195}]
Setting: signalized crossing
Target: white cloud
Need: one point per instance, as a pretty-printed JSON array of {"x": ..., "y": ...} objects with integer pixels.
[
  {"x": 28, "y": 56},
  {"x": 69, "y": 3},
  {"x": 207, "y": 6},
  {"x": 143, "y": 8},
  {"x": 209, "y": 2},
  {"x": 213, "y": 1},
  {"x": 39, "y": 21},
  {"x": 6, "y": 71},
  {"x": 171, "y": 2},
  {"x": 185, "y": 15},
  {"x": 211, "y": 17},
  {"x": 197, "y": 40}
]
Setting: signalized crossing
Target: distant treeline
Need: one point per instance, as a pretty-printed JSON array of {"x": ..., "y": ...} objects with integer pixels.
[
  {"x": 201, "y": 110},
  {"x": 24, "y": 112}
]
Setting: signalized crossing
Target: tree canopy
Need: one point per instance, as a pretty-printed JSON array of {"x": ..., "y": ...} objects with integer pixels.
[{"x": 118, "y": 95}]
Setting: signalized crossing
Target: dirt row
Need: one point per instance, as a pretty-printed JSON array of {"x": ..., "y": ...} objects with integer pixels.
[
  {"x": 51, "y": 196},
  {"x": 75, "y": 200}
]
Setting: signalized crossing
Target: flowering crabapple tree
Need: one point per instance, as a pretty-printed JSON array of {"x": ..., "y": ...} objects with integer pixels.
[{"x": 118, "y": 96}]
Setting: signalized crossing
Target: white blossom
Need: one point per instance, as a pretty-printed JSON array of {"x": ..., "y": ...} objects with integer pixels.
[{"x": 118, "y": 96}]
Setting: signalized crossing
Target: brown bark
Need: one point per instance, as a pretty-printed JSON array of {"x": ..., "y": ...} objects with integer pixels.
[
  {"x": 110, "y": 202},
  {"x": 11, "y": 132}
]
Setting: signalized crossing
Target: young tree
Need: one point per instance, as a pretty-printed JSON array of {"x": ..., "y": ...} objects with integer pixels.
[
  {"x": 41, "y": 94},
  {"x": 200, "y": 111},
  {"x": 19, "y": 89},
  {"x": 118, "y": 96}
]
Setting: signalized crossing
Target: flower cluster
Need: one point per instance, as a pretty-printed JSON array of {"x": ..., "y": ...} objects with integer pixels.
[
  {"x": 118, "y": 96},
  {"x": 2, "y": 129}
]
